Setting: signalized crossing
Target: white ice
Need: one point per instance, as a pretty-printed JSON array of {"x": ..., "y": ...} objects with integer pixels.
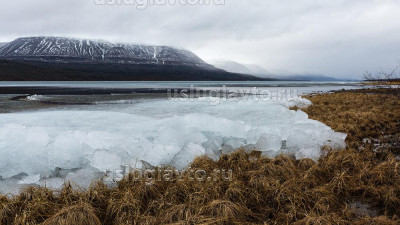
[
  {"x": 49, "y": 147},
  {"x": 34, "y": 97}
]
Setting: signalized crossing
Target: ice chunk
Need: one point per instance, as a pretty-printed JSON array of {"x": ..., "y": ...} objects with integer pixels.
[
  {"x": 235, "y": 143},
  {"x": 311, "y": 153},
  {"x": 227, "y": 149},
  {"x": 213, "y": 143},
  {"x": 21, "y": 150},
  {"x": 146, "y": 165},
  {"x": 33, "y": 179},
  {"x": 34, "y": 97},
  {"x": 105, "y": 160},
  {"x": 83, "y": 178},
  {"x": 53, "y": 183},
  {"x": 10, "y": 186},
  {"x": 249, "y": 148},
  {"x": 269, "y": 143},
  {"x": 67, "y": 151},
  {"x": 187, "y": 155}
]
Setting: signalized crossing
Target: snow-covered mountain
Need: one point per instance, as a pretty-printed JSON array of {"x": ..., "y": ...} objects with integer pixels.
[
  {"x": 62, "y": 49},
  {"x": 68, "y": 59}
]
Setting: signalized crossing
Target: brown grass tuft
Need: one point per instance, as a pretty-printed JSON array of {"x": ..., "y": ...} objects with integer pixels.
[{"x": 81, "y": 214}]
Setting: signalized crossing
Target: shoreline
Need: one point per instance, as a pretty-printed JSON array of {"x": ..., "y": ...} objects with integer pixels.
[
  {"x": 357, "y": 185},
  {"x": 14, "y": 98}
]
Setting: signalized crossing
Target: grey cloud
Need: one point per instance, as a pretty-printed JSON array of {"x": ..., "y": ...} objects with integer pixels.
[{"x": 337, "y": 38}]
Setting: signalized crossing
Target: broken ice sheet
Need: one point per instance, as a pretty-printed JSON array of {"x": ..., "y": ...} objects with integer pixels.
[{"x": 85, "y": 141}]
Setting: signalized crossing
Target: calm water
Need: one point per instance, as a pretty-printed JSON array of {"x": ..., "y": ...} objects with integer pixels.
[
  {"x": 300, "y": 86},
  {"x": 173, "y": 84}
]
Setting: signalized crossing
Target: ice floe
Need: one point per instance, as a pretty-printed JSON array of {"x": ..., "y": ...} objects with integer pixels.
[{"x": 49, "y": 147}]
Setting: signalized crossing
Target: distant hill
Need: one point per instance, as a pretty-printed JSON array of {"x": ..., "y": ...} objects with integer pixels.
[
  {"x": 59, "y": 58},
  {"x": 230, "y": 66},
  {"x": 305, "y": 77},
  {"x": 256, "y": 70},
  {"x": 259, "y": 70}
]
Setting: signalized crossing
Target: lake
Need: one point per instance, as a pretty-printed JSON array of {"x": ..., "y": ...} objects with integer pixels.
[{"x": 141, "y": 123}]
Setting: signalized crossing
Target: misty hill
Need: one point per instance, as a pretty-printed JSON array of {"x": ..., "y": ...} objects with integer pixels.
[
  {"x": 231, "y": 66},
  {"x": 256, "y": 70},
  {"x": 305, "y": 77},
  {"x": 58, "y": 58}
]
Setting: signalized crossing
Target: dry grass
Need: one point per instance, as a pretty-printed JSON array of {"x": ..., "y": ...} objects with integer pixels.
[
  {"x": 370, "y": 116},
  {"x": 77, "y": 214},
  {"x": 264, "y": 191},
  {"x": 382, "y": 83}
]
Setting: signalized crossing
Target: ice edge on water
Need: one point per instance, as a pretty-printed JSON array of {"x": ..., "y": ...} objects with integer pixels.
[{"x": 50, "y": 147}]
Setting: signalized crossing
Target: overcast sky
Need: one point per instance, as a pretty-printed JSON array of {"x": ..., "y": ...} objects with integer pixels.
[{"x": 340, "y": 38}]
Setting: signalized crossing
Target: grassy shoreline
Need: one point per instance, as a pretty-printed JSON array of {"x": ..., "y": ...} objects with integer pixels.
[{"x": 357, "y": 185}]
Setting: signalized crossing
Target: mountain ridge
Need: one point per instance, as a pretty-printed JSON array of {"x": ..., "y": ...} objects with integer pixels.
[
  {"x": 63, "y": 49},
  {"x": 71, "y": 59}
]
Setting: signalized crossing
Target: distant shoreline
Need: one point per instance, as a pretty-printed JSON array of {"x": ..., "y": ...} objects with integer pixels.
[
  {"x": 14, "y": 95},
  {"x": 43, "y": 90}
]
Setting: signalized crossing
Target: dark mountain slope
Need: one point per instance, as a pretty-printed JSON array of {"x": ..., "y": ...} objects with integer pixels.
[
  {"x": 59, "y": 59},
  {"x": 11, "y": 70}
]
